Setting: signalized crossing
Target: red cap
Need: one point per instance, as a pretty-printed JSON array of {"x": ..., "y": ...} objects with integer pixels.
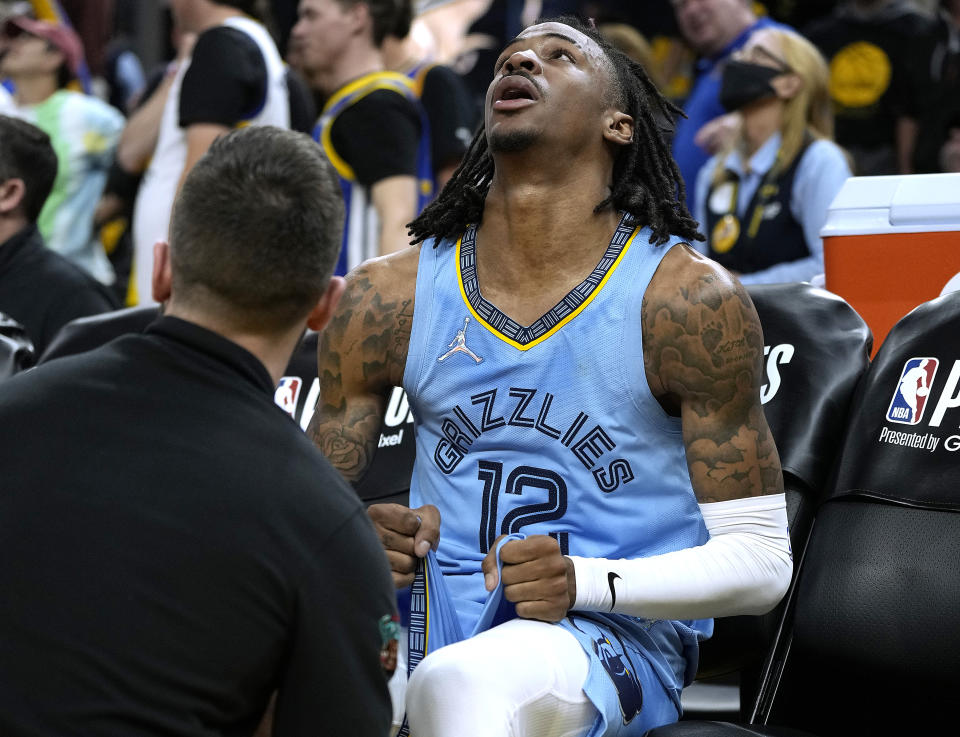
[{"x": 63, "y": 37}]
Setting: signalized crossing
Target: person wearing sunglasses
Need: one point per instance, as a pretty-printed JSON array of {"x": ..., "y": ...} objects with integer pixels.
[{"x": 762, "y": 200}]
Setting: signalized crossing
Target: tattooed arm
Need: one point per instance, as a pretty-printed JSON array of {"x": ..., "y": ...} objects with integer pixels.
[
  {"x": 360, "y": 358},
  {"x": 703, "y": 355},
  {"x": 703, "y": 350}
]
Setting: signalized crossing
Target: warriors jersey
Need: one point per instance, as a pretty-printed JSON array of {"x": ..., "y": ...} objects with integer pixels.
[
  {"x": 361, "y": 231},
  {"x": 549, "y": 429}
]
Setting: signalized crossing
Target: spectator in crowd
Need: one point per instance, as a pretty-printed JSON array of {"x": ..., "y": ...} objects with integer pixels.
[
  {"x": 42, "y": 58},
  {"x": 174, "y": 548},
  {"x": 714, "y": 29},
  {"x": 633, "y": 43},
  {"x": 763, "y": 199},
  {"x": 867, "y": 45},
  {"x": 444, "y": 96},
  {"x": 38, "y": 288},
  {"x": 233, "y": 76},
  {"x": 372, "y": 125},
  {"x": 933, "y": 92},
  {"x": 123, "y": 70}
]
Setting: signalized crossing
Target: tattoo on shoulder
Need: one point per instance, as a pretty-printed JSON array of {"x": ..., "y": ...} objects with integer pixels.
[
  {"x": 704, "y": 345},
  {"x": 361, "y": 355}
]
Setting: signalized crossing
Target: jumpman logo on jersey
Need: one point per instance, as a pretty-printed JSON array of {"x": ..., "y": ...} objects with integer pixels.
[{"x": 459, "y": 344}]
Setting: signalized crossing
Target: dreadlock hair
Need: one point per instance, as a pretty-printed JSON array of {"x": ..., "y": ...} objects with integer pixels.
[{"x": 646, "y": 181}]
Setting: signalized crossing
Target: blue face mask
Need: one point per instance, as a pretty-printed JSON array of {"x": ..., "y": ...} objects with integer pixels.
[{"x": 743, "y": 83}]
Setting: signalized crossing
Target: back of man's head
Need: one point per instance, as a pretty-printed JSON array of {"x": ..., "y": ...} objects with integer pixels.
[
  {"x": 256, "y": 229},
  {"x": 27, "y": 154},
  {"x": 402, "y": 20}
]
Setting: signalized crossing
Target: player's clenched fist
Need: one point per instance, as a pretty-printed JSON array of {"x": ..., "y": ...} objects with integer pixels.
[
  {"x": 537, "y": 577},
  {"x": 407, "y": 534}
]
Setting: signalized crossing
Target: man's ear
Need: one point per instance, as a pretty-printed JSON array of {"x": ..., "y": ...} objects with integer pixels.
[
  {"x": 11, "y": 195},
  {"x": 360, "y": 18},
  {"x": 162, "y": 272},
  {"x": 618, "y": 127},
  {"x": 787, "y": 85},
  {"x": 323, "y": 310}
]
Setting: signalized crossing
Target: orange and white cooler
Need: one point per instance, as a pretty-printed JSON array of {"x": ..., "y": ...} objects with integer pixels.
[{"x": 891, "y": 243}]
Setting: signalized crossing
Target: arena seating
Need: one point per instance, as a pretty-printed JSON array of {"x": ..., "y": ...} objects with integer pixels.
[
  {"x": 87, "y": 333},
  {"x": 870, "y": 644},
  {"x": 16, "y": 350}
]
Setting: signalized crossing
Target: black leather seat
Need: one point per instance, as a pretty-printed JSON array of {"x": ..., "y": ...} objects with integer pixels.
[
  {"x": 86, "y": 333},
  {"x": 16, "y": 348},
  {"x": 817, "y": 347},
  {"x": 870, "y": 644}
]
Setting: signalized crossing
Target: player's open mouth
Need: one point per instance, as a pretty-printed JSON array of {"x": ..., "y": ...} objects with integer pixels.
[{"x": 514, "y": 92}]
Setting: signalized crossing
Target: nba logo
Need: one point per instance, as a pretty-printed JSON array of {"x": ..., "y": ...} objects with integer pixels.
[
  {"x": 287, "y": 393},
  {"x": 913, "y": 388}
]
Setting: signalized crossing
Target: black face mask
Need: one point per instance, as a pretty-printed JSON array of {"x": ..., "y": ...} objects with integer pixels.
[{"x": 743, "y": 83}]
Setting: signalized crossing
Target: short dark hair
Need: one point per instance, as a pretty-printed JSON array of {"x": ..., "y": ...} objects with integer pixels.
[
  {"x": 256, "y": 228},
  {"x": 646, "y": 181},
  {"x": 383, "y": 15},
  {"x": 27, "y": 154},
  {"x": 403, "y": 19}
]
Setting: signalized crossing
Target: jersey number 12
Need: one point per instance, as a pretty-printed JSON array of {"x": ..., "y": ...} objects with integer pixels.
[{"x": 521, "y": 480}]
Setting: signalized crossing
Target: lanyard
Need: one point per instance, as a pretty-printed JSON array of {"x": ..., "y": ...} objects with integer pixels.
[{"x": 726, "y": 232}]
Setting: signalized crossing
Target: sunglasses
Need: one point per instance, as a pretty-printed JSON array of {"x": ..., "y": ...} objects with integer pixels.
[{"x": 760, "y": 55}]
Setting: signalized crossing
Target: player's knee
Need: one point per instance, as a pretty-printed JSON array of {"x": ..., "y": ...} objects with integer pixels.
[
  {"x": 448, "y": 694},
  {"x": 448, "y": 674}
]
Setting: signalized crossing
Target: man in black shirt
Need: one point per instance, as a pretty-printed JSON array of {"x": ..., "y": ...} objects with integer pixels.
[
  {"x": 38, "y": 288},
  {"x": 167, "y": 579},
  {"x": 371, "y": 125},
  {"x": 233, "y": 76},
  {"x": 442, "y": 92}
]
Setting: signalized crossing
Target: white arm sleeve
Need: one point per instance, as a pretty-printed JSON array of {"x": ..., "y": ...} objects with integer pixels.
[{"x": 744, "y": 568}]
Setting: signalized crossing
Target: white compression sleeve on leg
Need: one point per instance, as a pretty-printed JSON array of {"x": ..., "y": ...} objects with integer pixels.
[{"x": 744, "y": 568}]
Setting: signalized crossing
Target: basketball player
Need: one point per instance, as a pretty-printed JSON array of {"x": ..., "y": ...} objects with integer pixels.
[{"x": 614, "y": 422}]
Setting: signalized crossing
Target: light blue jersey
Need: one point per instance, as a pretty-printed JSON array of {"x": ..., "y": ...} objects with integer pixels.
[{"x": 550, "y": 429}]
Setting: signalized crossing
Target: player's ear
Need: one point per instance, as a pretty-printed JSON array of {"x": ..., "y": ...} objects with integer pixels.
[
  {"x": 162, "y": 280},
  {"x": 618, "y": 127},
  {"x": 323, "y": 310}
]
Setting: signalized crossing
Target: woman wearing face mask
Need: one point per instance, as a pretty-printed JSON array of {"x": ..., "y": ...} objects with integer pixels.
[{"x": 763, "y": 199}]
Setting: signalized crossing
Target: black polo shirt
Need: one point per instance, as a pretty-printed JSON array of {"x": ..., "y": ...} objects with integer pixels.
[
  {"x": 43, "y": 291},
  {"x": 175, "y": 549}
]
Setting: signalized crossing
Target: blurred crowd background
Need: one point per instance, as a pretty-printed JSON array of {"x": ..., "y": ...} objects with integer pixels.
[{"x": 888, "y": 72}]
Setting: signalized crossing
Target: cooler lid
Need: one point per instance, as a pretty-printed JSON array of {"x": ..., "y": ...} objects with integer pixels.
[{"x": 916, "y": 203}]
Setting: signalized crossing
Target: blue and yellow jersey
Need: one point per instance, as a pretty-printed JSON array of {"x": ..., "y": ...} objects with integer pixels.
[{"x": 361, "y": 230}]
